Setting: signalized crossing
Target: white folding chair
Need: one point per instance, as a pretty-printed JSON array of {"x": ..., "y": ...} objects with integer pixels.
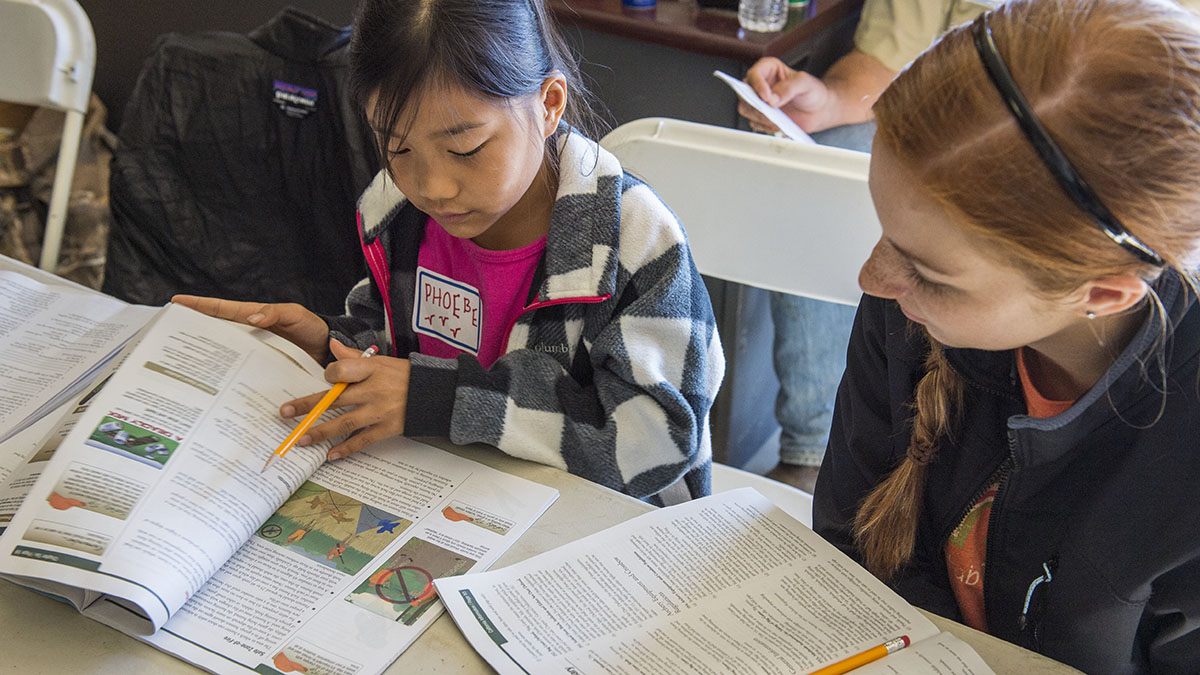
[
  {"x": 47, "y": 59},
  {"x": 761, "y": 211}
]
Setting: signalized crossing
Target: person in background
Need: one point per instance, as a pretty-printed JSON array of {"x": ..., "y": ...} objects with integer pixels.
[
  {"x": 810, "y": 335},
  {"x": 529, "y": 293},
  {"x": 1013, "y": 443}
]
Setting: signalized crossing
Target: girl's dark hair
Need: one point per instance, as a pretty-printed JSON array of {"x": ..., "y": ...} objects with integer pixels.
[
  {"x": 500, "y": 49},
  {"x": 1117, "y": 84}
]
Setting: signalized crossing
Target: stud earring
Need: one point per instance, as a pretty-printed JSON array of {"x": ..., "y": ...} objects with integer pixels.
[{"x": 1091, "y": 325}]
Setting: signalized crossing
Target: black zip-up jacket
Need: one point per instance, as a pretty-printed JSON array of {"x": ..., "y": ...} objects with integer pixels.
[
  {"x": 240, "y": 160},
  {"x": 1103, "y": 496}
]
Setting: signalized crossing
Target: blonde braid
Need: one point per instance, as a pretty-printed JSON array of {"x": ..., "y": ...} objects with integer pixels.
[{"x": 885, "y": 527}]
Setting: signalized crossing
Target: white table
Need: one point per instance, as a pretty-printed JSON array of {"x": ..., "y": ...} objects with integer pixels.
[{"x": 41, "y": 635}]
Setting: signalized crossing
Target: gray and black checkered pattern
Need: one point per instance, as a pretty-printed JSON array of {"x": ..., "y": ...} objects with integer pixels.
[{"x": 617, "y": 391}]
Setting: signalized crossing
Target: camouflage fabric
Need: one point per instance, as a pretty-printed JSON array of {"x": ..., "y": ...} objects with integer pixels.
[{"x": 27, "y": 163}]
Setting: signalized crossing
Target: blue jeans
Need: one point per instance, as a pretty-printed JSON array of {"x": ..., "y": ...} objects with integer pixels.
[
  {"x": 810, "y": 356},
  {"x": 810, "y": 347}
]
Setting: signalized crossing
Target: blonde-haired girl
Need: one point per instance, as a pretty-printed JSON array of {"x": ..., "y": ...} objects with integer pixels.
[{"x": 1015, "y": 439}]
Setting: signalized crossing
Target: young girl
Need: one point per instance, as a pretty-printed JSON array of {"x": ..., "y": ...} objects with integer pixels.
[
  {"x": 1015, "y": 436},
  {"x": 531, "y": 294}
]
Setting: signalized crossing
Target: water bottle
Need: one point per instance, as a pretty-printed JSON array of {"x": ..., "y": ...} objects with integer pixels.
[{"x": 762, "y": 15}]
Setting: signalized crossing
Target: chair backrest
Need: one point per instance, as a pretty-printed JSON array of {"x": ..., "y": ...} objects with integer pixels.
[
  {"x": 47, "y": 54},
  {"x": 759, "y": 210}
]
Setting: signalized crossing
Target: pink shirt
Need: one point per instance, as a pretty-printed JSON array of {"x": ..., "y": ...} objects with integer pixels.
[{"x": 467, "y": 296}]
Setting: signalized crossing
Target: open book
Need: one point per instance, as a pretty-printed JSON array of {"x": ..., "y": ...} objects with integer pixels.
[
  {"x": 142, "y": 502},
  {"x": 53, "y": 339},
  {"x": 725, "y": 584}
]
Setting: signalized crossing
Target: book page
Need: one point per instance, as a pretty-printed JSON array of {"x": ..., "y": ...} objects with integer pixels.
[
  {"x": 159, "y": 481},
  {"x": 26, "y": 453},
  {"x": 52, "y": 338},
  {"x": 21, "y": 463},
  {"x": 340, "y": 578},
  {"x": 728, "y": 583},
  {"x": 942, "y": 654}
]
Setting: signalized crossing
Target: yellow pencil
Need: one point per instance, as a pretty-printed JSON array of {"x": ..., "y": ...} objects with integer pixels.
[
  {"x": 318, "y": 410},
  {"x": 862, "y": 659}
]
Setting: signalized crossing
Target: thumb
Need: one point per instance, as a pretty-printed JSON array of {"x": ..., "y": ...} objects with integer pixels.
[
  {"x": 341, "y": 351},
  {"x": 765, "y": 92},
  {"x": 763, "y": 76},
  {"x": 799, "y": 90}
]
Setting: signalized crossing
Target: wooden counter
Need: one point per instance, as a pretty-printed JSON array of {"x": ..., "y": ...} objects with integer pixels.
[{"x": 683, "y": 25}]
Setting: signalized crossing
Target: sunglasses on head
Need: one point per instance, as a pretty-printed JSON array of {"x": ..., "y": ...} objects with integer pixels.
[{"x": 1052, "y": 155}]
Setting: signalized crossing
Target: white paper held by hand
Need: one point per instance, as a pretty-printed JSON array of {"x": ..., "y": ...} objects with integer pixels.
[{"x": 777, "y": 116}]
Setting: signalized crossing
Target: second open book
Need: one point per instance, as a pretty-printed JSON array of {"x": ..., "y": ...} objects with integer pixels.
[
  {"x": 725, "y": 584},
  {"x": 142, "y": 503}
]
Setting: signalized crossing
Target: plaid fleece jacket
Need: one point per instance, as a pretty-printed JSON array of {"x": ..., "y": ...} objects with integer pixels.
[{"x": 610, "y": 371}]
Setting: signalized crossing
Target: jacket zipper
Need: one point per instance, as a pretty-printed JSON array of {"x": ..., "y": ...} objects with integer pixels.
[
  {"x": 377, "y": 266},
  {"x": 539, "y": 304},
  {"x": 1001, "y": 474},
  {"x": 998, "y": 475},
  {"x": 1047, "y": 576},
  {"x": 1024, "y": 621}
]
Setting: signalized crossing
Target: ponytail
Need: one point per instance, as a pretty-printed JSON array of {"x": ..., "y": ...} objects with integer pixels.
[{"x": 885, "y": 527}]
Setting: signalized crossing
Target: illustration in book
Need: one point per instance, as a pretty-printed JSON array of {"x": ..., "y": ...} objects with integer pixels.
[
  {"x": 133, "y": 441},
  {"x": 402, "y": 589},
  {"x": 460, "y": 512},
  {"x": 337, "y": 531}
]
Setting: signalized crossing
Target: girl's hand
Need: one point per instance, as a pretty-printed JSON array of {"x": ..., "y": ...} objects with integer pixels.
[
  {"x": 288, "y": 320},
  {"x": 378, "y": 393},
  {"x": 803, "y": 97}
]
